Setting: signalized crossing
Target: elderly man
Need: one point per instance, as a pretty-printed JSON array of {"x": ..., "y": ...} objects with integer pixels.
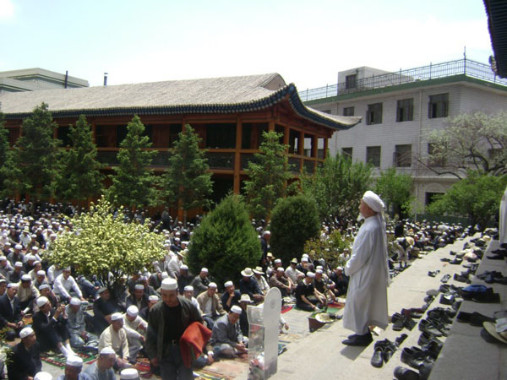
[
  {"x": 226, "y": 337},
  {"x": 188, "y": 293},
  {"x": 280, "y": 281},
  {"x": 136, "y": 328},
  {"x": 73, "y": 367},
  {"x": 293, "y": 273},
  {"x": 210, "y": 305},
  {"x": 249, "y": 286},
  {"x": 369, "y": 274},
  {"x": 139, "y": 298},
  {"x": 115, "y": 336},
  {"x": 230, "y": 297},
  {"x": 184, "y": 278},
  {"x": 24, "y": 359},
  {"x": 261, "y": 280},
  {"x": 200, "y": 282},
  {"x": 65, "y": 284},
  {"x": 341, "y": 281},
  {"x": 102, "y": 368},
  {"x": 27, "y": 293},
  {"x": 10, "y": 312},
  {"x": 103, "y": 308},
  {"x": 76, "y": 323},
  {"x": 17, "y": 273},
  {"x": 5, "y": 267},
  {"x": 307, "y": 297},
  {"x": 166, "y": 324},
  {"x": 152, "y": 300}
]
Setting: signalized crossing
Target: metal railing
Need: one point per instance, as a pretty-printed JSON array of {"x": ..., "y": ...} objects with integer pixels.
[{"x": 463, "y": 66}]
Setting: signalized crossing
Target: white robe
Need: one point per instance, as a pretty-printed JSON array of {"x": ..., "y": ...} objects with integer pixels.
[
  {"x": 502, "y": 228},
  {"x": 367, "y": 293}
]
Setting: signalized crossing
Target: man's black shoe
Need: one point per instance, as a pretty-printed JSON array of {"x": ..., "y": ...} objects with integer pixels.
[{"x": 359, "y": 340}]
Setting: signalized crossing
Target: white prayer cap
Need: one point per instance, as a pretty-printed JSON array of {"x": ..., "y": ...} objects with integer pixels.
[
  {"x": 18, "y": 246},
  {"x": 212, "y": 285},
  {"x": 132, "y": 310},
  {"x": 43, "y": 376},
  {"x": 310, "y": 274},
  {"x": 188, "y": 288},
  {"x": 35, "y": 248},
  {"x": 236, "y": 309},
  {"x": 278, "y": 261},
  {"x": 169, "y": 284},
  {"x": 44, "y": 286},
  {"x": 280, "y": 269},
  {"x": 139, "y": 287},
  {"x": 129, "y": 374},
  {"x": 41, "y": 273},
  {"x": 30, "y": 257},
  {"x": 205, "y": 270},
  {"x": 339, "y": 268},
  {"x": 75, "y": 301},
  {"x": 153, "y": 298},
  {"x": 373, "y": 201},
  {"x": 41, "y": 301},
  {"x": 74, "y": 361},
  {"x": 27, "y": 331},
  {"x": 116, "y": 316},
  {"x": 26, "y": 277},
  {"x": 165, "y": 275},
  {"x": 3, "y": 258},
  {"x": 304, "y": 259},
  {"x": 184, "y": 267},
  {"x": 319, "y": 267},
  {"x": 228, "y": 283},
  {"x": 18, "y": 264},
  {"x": 66, "y": 269},
  {"x": 107, "y": 351}
]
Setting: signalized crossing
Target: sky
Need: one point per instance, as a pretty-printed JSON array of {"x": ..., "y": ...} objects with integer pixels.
[{"x": 307, "y": 42}]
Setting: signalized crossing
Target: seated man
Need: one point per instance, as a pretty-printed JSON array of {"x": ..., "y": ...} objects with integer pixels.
[
  {"x": 10, "y": 312},
  {"x": 307, "y": 298},
  {"x": 293, "y": 273},
  {"x": 76, "y": 323},
  {"x": 115, "y": 337},
  {"x": 139, "y": 298},
  {"x": 200, "y": 282},
  {"x": 226, "y": 337},
  {"x": 230, "y": 296},
  {"x": 249, "y": 286},
  {"x": 261, "y": 280},
  {"x": 341, "y": 281},
  {"x": 188, "y": 293},
  {"x": 17, "y": 273},
  {"x": 210, "y": 305},
  {"x": 73, "y": 367},
  {"x": 65, "y": 286},
  {"x": 136, "y": 328},
  {"x": 102, "y": 368},
  {"x": 24, "y": 359},
  {"x": 49, "y": 326},
  {"x": 103, "y": 308},
  {"x": 184, "y": 278},
  {"x": 27, "y": 294},
  {"x": 280, "y": 281},
  {"x": 152, "y": 300}
]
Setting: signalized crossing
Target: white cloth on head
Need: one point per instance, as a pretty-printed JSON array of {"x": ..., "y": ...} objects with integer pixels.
[
  {"x": 502, "y": 225},
  {"x": 369, "y": 277},
  {"x": 373, "y": 201}
]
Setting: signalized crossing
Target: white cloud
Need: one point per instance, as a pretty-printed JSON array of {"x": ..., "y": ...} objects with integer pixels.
[{"x": 6, "y": 9}]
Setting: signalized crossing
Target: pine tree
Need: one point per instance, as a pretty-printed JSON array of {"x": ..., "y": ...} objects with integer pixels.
[
  {"x": 80, "y": 176},
  {"x": 188, "y": 180},
  {"x": 268, "y": 175},
  {"x": 38, "y": 154},
  {"x": 133, "y": 182}
]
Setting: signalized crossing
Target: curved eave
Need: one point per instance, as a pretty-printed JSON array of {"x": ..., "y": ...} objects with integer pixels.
[{"x": 288, "y": 91}]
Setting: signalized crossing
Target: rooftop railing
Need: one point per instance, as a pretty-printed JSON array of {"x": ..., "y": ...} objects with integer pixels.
[{"x": 463, "y": 66}]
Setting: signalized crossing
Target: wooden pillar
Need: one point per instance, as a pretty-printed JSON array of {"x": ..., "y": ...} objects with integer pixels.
[
  {"x": 301, "y": 149},
  {"x": 271, "y": 126},
  {"x": 237, "y": 156}
]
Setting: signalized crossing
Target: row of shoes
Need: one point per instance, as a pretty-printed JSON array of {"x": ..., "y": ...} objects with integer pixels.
[
  {"x": 491, "y": 277},
  {"x": 384, "y": 350}
]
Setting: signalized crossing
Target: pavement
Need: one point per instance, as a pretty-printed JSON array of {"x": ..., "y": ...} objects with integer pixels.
[{"x": 321, "y": 355}]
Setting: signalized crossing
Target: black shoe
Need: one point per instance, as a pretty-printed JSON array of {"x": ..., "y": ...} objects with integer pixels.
[
  {"x": 359, "y": 340},
  {"x": 402, "y": 373},
  {"x": 399, "y": 340},
  {"x": 377, "y": 360}
]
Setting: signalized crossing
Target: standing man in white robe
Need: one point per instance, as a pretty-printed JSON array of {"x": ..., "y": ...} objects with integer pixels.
[
  {"x": 503, "y": 219},
  {"x": 369, "y": 274}
]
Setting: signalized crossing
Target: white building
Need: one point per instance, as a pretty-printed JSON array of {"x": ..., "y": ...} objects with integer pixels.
[
  {"x": 37, "y": 79},
  {"x": 399, "y": 109}
]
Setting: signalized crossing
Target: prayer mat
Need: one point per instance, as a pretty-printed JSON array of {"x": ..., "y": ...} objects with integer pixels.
[
  {"x": 58, "y": 360},
  {"x": 204, "y": 374},
  {"x": 287, "y": 308}
]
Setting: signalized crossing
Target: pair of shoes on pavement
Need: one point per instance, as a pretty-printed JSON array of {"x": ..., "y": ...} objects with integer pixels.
[{"x": 358, "y": 340}]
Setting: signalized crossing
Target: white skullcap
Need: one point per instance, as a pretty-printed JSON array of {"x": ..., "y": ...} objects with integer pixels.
[
  {"x": 74, "y": 361},
  {"x": 18, "y": 246},
  {"x": 373, "y": 201},
  {"x": 12, "y": 285},
  {"x": 3, "y": 258},
  {"x": 139, "y": 287},
  {"x": 278, "y": 261},
  {"x": 107, "y": 351},
  {"x": 75, "y": 301},
  {"x": 44, "y": 286},
  {"x": 35, "y": 248},
  {"x": 43, "y": 376},
  {"x": 304, "y": 259},
  {"x": 116, "y": 316},
  {"x": 310, "y": 274},
  {"x": 212, "y": 285},
  {"x": 41, "y": 273},
  {"x": 165, "y": 275},
  {"x": 320, "y": 267},
  {"x": 26, "y": 332},
  {"x": 205, "y": 270},
  {"x": 26, "y": 277},
  {"x": 129, "y": 374},
  {"x": 236, "y": 309},
  {"x": 169, "y": 284},
  {"x": 153, "y": 298},
  {"x": 319, "y": 271},
  {"x": 18, "y": 264},
  {"x": 184, "y": 267},
  {"x": 280, "y": 269},
  {"x": 41, "y": 301},
  {"x": 228, "y": 283},
  {"x": 188, "y": 288},
  {"x": 132, "y": 310},
  {"x": 30, "y": 257},
  {"x": 339, "y": 268}
]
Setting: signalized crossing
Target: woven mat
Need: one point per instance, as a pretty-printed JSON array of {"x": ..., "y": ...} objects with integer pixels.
[{"x": 58, "y": 360}]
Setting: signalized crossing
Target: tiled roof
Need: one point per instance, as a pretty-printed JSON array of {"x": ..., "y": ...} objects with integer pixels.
[
  {"x": 497, "y": 23},
  {"x": 212, "y": 95}
]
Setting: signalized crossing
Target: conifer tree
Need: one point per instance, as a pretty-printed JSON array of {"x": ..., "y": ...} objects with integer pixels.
[
  {"x": 80, "y": 177},
  {"x": 188, "y": 180},
  {"x": 134, "y": 183}
]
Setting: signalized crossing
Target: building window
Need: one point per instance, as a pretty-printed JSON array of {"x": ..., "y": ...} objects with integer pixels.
[
  {"x": 405, "y": 110},
  {"x": 431, "y": 197},
  {"x": 348, "y": 111},
  {"x": 373, "y": 155},
  {"x": 438, "y": 106},
  {"x": 347, "y": 152},
  {"x": 351, "y": 81},
  {"x": 374, "y": 114},
  {"x": 403, "y": 156}
]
